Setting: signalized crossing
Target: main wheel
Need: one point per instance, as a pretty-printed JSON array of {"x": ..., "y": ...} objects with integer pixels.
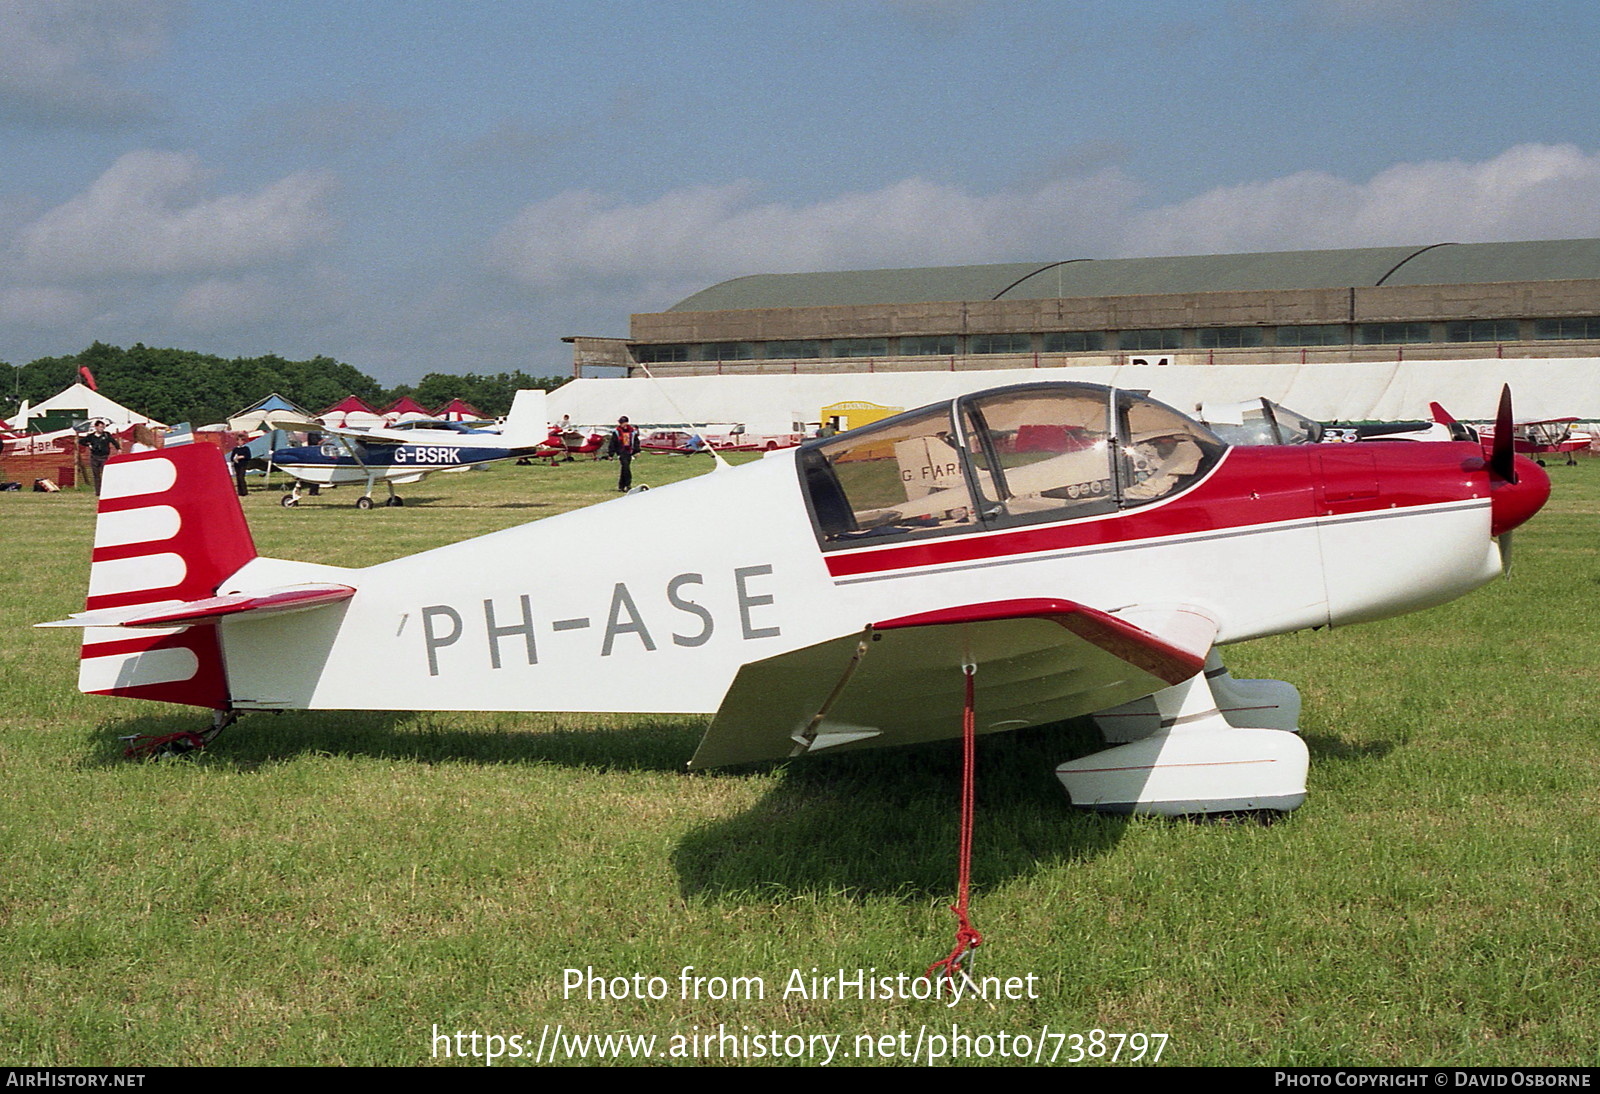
[
  {"x": 363, "y": 503},
  {"x": 288, "y": 501},
  {"x": 395, "y": 501}
]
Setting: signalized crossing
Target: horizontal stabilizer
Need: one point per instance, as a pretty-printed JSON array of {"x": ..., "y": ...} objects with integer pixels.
[
  {"x": 211, "y": 610},
  {"x": 900, "y": 681}
]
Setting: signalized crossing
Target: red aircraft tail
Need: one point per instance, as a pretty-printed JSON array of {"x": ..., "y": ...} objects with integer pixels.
[{"x": 169, "y": 530}]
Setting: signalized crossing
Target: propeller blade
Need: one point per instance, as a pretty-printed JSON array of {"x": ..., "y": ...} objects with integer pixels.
[
  {"x": 1504, "y": 540},
  {"x": 1503, "y": 459}
]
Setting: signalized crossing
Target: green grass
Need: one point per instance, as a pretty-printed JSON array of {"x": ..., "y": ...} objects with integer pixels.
[{"x": 326, "y": 888}]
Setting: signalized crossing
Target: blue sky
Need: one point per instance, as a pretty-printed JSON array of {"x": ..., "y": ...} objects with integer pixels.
[{"x": 454, "y": 186}]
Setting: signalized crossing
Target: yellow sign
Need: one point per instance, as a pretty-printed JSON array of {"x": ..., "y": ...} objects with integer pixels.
[{"x": 853, "y": 414}]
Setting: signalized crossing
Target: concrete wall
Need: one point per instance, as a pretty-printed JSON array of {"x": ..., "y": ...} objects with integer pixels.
[{"x": 1388, "y": 303}]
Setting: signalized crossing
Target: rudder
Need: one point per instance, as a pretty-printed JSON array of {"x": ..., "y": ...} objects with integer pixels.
[{"x": 169, "y": 529}]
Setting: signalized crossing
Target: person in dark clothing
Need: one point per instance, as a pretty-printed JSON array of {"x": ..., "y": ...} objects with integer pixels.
[
  {"x": 240, "y": 456},
  {"x": 99, "y": 443},
  {"x": 625, "y": 445}
]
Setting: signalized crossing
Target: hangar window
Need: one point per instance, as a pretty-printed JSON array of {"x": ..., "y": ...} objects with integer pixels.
[
  {"x": 1150, "y": 339},
  {"x": 1390, "y": 334},
  {"x": 1567, "y": 328},
  {"x": 788, "y": 350},
  {"x": 928, "y": 346},
  {"x": 861, "y": 347},
  {"x": 1075, "y": 341},
  {"x": 1228, "y": 337},
  {"x": 1331, "y": 334},
  {"x": 726, "y": 351},
  {"x": 1483, "y": 330},
  {"x": 1002, "y": 343},
  {"x": 652, "y": 354}
]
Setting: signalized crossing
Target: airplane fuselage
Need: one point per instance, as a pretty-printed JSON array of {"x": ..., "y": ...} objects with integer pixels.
[
  {"x": 1272, "y": 540},
  {"x": 1047, "y": 550}
]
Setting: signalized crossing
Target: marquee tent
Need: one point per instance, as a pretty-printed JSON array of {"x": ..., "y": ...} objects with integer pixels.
[
  {"x": 351, "y": 412},
  {"x": 82, "y": 404}
]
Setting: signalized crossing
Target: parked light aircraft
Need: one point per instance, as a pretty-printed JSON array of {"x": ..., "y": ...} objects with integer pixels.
[
  {"x": 1538, "y": 437},
  {"x": 1262, "y": 421},
  {"x": 1078, "y": 549},
  {"x": 411, "y": 451}
]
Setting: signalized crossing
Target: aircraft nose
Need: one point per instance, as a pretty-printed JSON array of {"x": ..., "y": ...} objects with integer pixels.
[{"x": 1512, "y": 503}]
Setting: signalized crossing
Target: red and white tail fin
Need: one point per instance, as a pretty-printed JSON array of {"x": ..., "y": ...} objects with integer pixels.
[{"x": 170, "y": 530}]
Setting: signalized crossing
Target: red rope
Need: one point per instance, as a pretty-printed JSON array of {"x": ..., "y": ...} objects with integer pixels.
[{"x": 967, "y": 937}]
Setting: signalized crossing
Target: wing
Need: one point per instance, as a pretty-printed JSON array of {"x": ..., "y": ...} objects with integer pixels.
[
  {"x": 900, "y": 681},
  {"x": 375, "y": 436}
]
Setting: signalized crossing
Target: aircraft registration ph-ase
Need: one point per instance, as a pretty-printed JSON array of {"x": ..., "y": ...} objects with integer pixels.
[{"x": 1085, "y": 550}]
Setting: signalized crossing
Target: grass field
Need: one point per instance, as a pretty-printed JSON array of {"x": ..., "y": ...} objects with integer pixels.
[{"x": 335, "y": 888}]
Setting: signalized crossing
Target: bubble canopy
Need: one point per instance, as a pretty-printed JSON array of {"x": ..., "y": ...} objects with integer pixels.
[{"x": 1029, "y": 454}]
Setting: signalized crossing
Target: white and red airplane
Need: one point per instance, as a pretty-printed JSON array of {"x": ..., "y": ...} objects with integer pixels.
[
  {"x": 1538, "y": 437},
  {"x": 1076, "y": 548}
]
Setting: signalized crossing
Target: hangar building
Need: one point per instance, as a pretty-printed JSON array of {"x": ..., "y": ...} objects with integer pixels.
[{"x": 1441, "y": 301}]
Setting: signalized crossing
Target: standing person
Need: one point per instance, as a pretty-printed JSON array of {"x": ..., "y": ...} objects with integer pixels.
[
  {"x": 624, "y": 445},
  {"x": 240, "y": 456},
  {"x": 99, "y": 443}
]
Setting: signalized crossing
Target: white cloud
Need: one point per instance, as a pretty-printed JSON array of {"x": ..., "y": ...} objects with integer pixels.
[
  {"x": 61, "y": 60},
  {"x": 712, "y": 232},
  {"x": 1531, "y": 191},
  {"x": 646, "y": 255},
  {"x": 147, "y": 215}
]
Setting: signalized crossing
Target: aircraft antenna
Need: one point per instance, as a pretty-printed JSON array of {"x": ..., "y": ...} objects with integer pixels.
[{"x": 722, "y": 464}]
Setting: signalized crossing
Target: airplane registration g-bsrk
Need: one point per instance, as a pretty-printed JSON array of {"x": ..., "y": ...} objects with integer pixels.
[
  {"x": 1077, "y": 549},
  {"x": 411, "y": 451}
]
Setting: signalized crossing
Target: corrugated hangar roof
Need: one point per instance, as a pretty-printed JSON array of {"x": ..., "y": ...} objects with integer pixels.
[
  {"x": 805, "y": 290},
  {"x": 1429, "y": 264},
  {"x": 1482, "y": 263}
]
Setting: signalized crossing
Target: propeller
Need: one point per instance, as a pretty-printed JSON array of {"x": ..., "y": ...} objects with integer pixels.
[
  {"x": 1503, "y": 464},
  {"x": 1503, "y": 458},
  {"x": 1518, "y": 487}
]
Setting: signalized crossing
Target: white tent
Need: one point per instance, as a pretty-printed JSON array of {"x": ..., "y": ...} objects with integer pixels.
[
  {"x": 84, "y": 403},
  {"x": 1360, "y": 391}
]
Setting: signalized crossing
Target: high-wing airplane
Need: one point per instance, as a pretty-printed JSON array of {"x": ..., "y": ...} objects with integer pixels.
[
  {"x": 1062, "y": 548},
  {"x": 1537, "y": 438},
  {"x": 411, "y": 451}
]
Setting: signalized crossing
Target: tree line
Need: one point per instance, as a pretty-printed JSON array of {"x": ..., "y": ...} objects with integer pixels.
[{"x": 175, "y": 385}]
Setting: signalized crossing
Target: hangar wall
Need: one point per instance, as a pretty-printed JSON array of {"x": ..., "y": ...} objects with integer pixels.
[{"x": 1439, "y": 302}]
